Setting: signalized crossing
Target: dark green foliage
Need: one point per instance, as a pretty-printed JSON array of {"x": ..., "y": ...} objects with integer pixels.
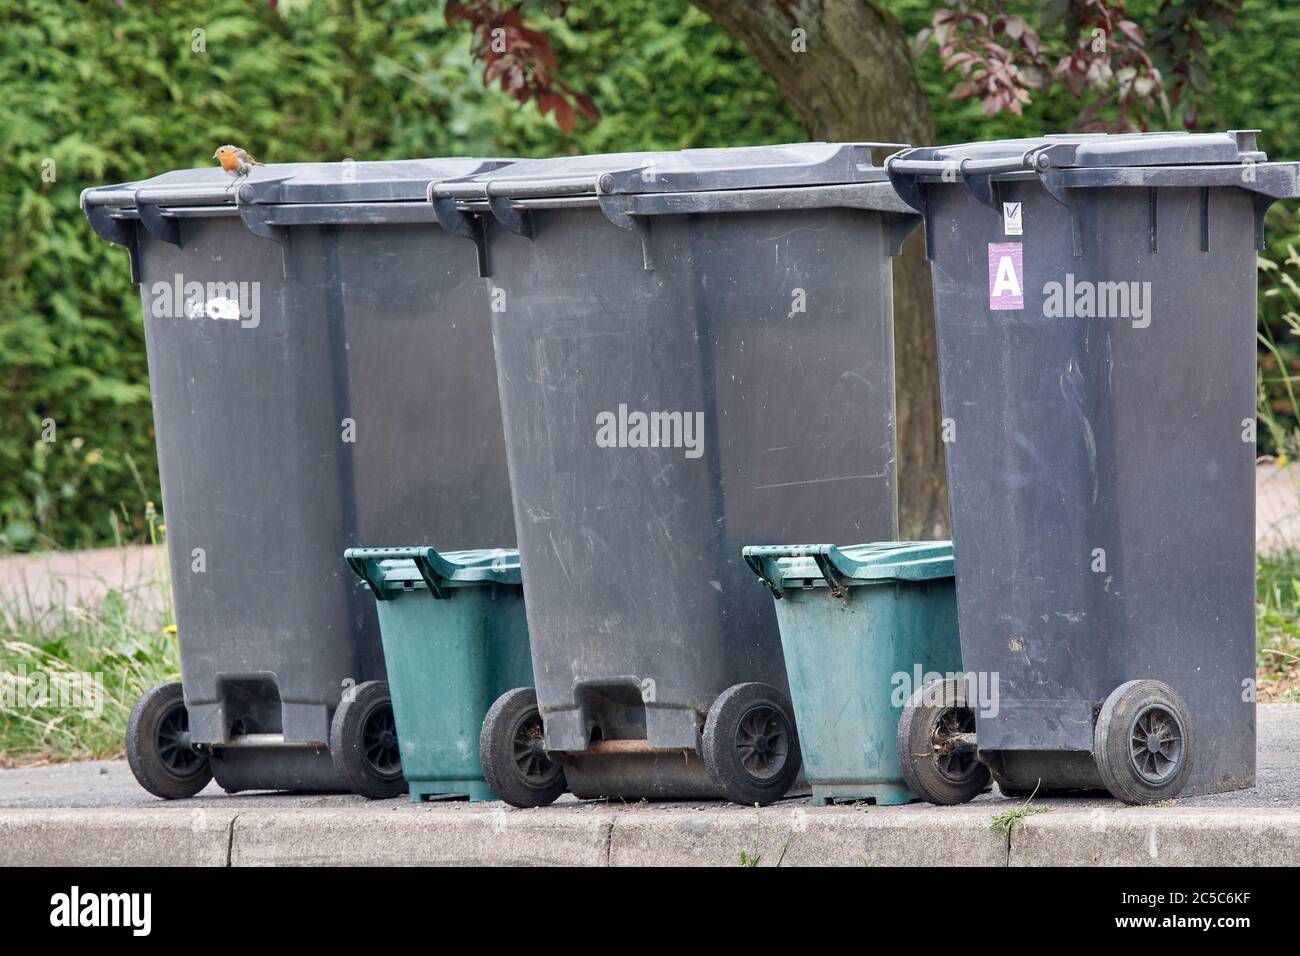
[{"x": 113, "y": 93}]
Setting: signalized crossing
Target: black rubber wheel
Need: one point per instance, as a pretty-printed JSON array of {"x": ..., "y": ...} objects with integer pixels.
[
  {"x": 363, "y": 743},
  {"x": 158, "y": 745},
  {"x": 511, "y": 752},
  {"x": 751, "y": 746},
  {"x": 1143, "y": 742},
  {"x": 933, "y": 771}
]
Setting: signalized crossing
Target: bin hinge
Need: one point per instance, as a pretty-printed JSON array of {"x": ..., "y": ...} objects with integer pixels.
[
  {"x": 257, "y": 219},
  {"x": 981, "y": 187},
  {"x": 1261, "y": 204},
  {"x": 120, "y": 232},
  {"x": 368, "y": 570},
  {"x": 761, "y": 561},
  {"x": 1052, "y": 180},
  {"x": 432, "y": 578},
  {"x": 835, "y": 582},
  {"x": 897, "y": 229},
  {"x": 463, "y": 224},
  {"x": 164, "y": 228},
  {"x": 517, "y": 220},
  {"x": 910, "y": 191},
  {"x": 618, "y": 210}
]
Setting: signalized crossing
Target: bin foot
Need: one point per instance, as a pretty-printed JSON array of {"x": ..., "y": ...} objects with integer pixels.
[
  {"x": 480, "y": 792},
  {"x": 881, "y": 794},
  {"x": 476, "y": 790}
]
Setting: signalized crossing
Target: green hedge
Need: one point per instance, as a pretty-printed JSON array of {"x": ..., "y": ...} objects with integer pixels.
[{"x": 112, "y": 93}]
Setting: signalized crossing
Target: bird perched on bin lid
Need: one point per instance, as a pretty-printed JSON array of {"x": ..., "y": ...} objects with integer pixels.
[{"x": 236, "y": 161}]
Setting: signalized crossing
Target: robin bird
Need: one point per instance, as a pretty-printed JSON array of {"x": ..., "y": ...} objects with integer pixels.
[{"x": 235, "y": 161}]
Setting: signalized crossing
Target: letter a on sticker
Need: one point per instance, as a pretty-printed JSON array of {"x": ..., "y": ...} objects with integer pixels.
[{"x": 1006, "y": 276}]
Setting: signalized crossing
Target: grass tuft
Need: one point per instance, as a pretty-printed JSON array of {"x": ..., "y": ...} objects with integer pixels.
[
  {"x": 1277, "y": 628},
  {"x": 71, "y": 670}
]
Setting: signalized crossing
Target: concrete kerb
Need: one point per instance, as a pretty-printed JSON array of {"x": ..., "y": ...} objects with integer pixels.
[
  {"x": 1158, "y": 836},
  {"x": 680, "y": 835},
  {"x": 422, "y": 836},
  {"x": 116, "y": 837}
]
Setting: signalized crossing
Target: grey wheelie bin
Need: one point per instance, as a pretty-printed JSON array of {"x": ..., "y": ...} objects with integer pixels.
[
  {"x": 322, "y": 377},
  {"x": 694, "y": 351},
  {"x": 1095, "y": 305}
]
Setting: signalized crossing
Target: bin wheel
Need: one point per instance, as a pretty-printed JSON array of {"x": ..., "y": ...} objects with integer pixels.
[
  {"x": 158, "y": 745},
  {"x": 363, "y": 742},
  {"x": 751, "y": 746},
  {"x": 1143, "y": 742},
  {"x": 511, "y": 752},
  {"x": 934, "y": 769}
]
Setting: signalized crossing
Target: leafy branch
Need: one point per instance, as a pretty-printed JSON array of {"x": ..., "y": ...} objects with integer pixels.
[
  {"x": 519, "y": 58},
  {"x": 1125, "y": 79}
]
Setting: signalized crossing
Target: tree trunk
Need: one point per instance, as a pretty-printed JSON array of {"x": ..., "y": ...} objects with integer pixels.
[{"x": 855, "y": 81}]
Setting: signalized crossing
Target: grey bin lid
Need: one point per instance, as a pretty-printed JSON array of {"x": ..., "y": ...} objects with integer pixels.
[
  {"x": 292, "y": 183},
  {"x": 1091, "y": 150},
  {"x": 679, "y": 171},
  {"x": 1097, "y": 160}
]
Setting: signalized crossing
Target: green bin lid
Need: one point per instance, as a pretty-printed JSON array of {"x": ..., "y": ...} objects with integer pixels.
[
  {"x": 404, "y": 569},
  {"x": 875, "y": 563}
]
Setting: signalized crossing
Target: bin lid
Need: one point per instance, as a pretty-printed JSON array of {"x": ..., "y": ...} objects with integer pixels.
[
  {"x": 1091, "y": 150},
  {"x": 676, "y": 171},
  {"x": 404, "y": 569},
  {"x": 874, "y": 563},
  {"x": 404, "y": 180}
]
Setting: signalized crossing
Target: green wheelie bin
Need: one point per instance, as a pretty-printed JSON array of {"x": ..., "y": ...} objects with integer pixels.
[
  {"x": 455, "y": 639},
  {"x": 863, "y": 627}
]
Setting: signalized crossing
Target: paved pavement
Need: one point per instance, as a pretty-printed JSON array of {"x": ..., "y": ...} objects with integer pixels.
[
  {"x": 82, "y": 578},
  {"x": 1277, "y": 508},
  {"x": 93, "y": 813}
]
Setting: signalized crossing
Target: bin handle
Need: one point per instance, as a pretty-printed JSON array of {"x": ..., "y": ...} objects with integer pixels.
[
  {"x": 835, "y": 568},
  {"x": 433, "y": 569},
  {"x": 906, "y": 168},
  {"x": 1030, "y": 159}
]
